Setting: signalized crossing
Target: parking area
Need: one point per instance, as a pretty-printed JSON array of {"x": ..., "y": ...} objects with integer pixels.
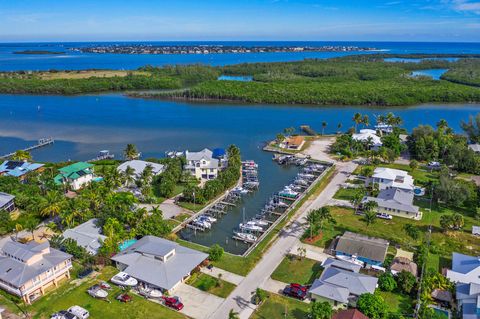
[{"x": 198, "y": 304}]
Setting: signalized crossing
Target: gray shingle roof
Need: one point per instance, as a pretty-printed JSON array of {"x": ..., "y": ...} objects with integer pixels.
[
  {"x": 196, "y": 156},
  {"x": 362, "y": 246},
  {"x": 329, "y": 291},
  {"x": 13, "y": 255},
  {"x": 5, "y": 199},
  {"x": 143, "y": 263},
  {"x": 395, "y": 198},
  {"x": 463, "y": 263},
  {"x": 87, "y": 235},
  {"x": 139, "y": 166},
  {"x": 356, "y": 283},
  {"x": 341, "y": 264}
]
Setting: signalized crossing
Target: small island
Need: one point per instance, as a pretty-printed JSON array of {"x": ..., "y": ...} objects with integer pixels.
[{"x": 38, "y": 52}]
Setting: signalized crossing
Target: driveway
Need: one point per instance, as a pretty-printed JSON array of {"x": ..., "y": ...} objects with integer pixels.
[
  {"x": 318, "y": 149},
  {"x": 198, "y": 304}
]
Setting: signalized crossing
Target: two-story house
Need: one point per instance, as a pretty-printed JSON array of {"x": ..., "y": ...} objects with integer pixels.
[
  {"x": 75, "y": 176},
  {"x": 202, "y": 164},
  {"x": 392, "y": 178},
  {"x": 26, "y": 270},
  {"x": 7, "y": 202}
]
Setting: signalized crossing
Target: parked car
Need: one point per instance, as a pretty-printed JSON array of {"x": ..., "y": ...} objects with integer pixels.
[
  {"x": 296, "y": 291},
  {"x": 79, "y": 312},
  {"x": 124, "y": 298},
  {"x": 384, "y": 216},
  {"x": 63, "y": 314},
  {"x": 173, "y": 302}
]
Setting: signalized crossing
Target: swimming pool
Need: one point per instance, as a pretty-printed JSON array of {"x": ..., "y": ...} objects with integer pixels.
[
  {"x": 442, "y": 312},
  {"x": 126, "y": 243}
]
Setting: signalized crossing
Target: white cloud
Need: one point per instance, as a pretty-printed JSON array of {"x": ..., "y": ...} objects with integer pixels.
[{"x": 465, "y": 6}]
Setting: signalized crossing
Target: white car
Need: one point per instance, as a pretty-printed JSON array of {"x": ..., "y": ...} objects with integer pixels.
[
  {"x": 384, "y": 216},
  {"x": 79, "y": 312}
]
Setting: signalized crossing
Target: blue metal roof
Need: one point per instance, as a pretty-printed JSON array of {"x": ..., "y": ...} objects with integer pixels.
[{"x": 17, "y": 168}]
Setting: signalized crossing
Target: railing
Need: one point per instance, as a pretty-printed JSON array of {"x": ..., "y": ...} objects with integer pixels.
[{"x": 47, "y": 279}]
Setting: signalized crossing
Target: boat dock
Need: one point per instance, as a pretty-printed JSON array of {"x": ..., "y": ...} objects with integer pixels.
[
  {"x": 102, "y": 155},
  {"x": 41, "y": 143}
]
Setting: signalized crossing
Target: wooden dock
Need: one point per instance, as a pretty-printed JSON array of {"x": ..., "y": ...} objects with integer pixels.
[
  {"x": 41, "y": 143},
  {"x": 228, "y": 204}
]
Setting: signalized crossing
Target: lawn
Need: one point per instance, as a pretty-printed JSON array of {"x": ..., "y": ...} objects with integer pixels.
[
  {"x": 182, "y": 217},
  {"x": 74, "y": 292},
  {"x": 242, "y": 265},
  {"x": 302, "y": 271},
  {"x": 345, "y": 194},
  {"x": 280, "y": 307},
  {"x": 215, "y": 286},
  {"x": 397, "y": 303}
]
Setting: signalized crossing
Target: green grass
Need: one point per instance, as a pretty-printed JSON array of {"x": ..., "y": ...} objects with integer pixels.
[
  {"x": 345, "y": 194},
  {"x": 192, "y": 207},
  {"x": 280, "y": 307},
  {"x": 173, "y": 222},
  {"x": 397, "y": 303},
  {"x": 74, "y": 292},
  {"x": 207, "y": 283},
  {"x": 242, "y": 265},
  {"x": 292, "y": 269},
  {"x": 181, "y": 217}
]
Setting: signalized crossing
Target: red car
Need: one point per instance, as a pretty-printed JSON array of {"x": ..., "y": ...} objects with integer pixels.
[
  {"x": 296, "y": 291},
  {"x": 124, "y": 298},
  {"x": 173, "y": 302}
]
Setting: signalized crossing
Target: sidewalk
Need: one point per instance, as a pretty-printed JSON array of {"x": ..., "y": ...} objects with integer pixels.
[
  {"x": 313, "y": 252},
  {"x": 226, "y": 275}
]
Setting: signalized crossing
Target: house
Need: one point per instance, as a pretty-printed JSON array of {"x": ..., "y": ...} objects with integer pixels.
[
  {"x": 139, "y": 166},
  {"x": 397, "y": 202},
  {"x": 76, "y": 175},
  {"x": 465, "y": 269},
  {"x": 475, "y": 148},
  {"x": 26, "y": 270},
  {"x": 19, "y": 169},
  {"x": 87, "y": 235},
  {"x": 7, "y": 202},
  {"x": 340, "y": 284},
  {"x": 441, "y": 295},
  {"x": 402, "y": 263},
  {"x": 468, "y": 300},
  {"x": 158, "y": 262},
  {"x": 349, "y": 314},
  {"x": 293, "y": 142},
  {"x": 389, "y": 177},
  {"x": 369, "y": 250},
  {"x": 202, "y": 165},
  {"x": 221, "y": 155},
  {"x": 370, "y": 136}
]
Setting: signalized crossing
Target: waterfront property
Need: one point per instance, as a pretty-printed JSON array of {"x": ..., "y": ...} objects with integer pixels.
[
  {"x": 158, "y": 262},
  {"x": 26, "y": 270},
  {"x": 465, "y": 269},
  {"x": 139, "y": 166},
  {"x": 75, "y": 176},
  {"x": 340, "y": 284},
  {"x": 19, "y": 169},
  {"x": 293, "y": 143},
  {"x": 7, "y": 202},
  {"x": 368, "y": 136},
  {"x": 202, "y": 164},
  {"x": 395, "y": 201},
  {"x": 389, "y": 177},
  {"x": 87, "y": 235},
  {"x": 368, "y": 250}
]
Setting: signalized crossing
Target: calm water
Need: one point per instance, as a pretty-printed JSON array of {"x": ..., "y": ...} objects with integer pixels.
[
  {"x": 433, "y": 73},
  {"x": 411, "y": 60},
  {"x": 84, "y": 125},
  {"x": 76, "y": 60},
  {"x": 235, "y": 78}
]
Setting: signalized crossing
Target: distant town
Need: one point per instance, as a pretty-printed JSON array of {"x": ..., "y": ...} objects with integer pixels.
[{"x": 211, "y": 49}]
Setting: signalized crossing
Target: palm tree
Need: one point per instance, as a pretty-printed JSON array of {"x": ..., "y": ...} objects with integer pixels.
[
  {"x": 129, "y": 174},
  {"x": 324, "y": 125},
  {"x": 357, "y": 118},
  {"x": 312, "y": 218},
  {"x": 53, "y": 204},
  {"x": 442, "y": 124},
  {"x": 357, "y": 197},
  {"x": 130, "y": 152},
  {"x": 233, "y": 314},
  {"x": 339, "y": 126},
  {"x": 21, "y": 155},
  {"x": 31, "y": 225},
  {"x": 366, "y": 120},
  {"x": 18, "y": 228},
  {"x": 370, "y": 215},
  {"x": 324, "y": 215}
]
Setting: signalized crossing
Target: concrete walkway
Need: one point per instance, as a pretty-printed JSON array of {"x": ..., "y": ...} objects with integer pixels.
[
  {"x": 312, "y": 252},
  {"x": 226, "y": 275},
  {"x": 239, "y": 299},
  {"x": 274, "y": 286}
]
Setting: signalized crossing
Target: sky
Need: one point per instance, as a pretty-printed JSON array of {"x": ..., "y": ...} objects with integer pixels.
[{"x": 312, "y": 20}]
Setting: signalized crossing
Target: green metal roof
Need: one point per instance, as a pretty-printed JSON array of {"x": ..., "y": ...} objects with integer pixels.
[{"x": 77, "y": 167}]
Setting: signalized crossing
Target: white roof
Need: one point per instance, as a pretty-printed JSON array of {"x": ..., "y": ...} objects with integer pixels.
[
  {"x": 87, "y": 235},
  {"x": 366, "y": 134},
  {"x": 139, "y": 166},
  {"x": 400, "y": 178},
  {"x": 197, "y": 156}
]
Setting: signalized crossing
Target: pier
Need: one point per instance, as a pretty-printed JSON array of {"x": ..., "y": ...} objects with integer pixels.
[
  {"x": 41, "y": 143},
  {"x": 103, "y": 155}
]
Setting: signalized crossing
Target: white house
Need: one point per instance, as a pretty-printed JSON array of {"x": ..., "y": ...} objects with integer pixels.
[
  {"x": 139, "y": 166},
  {"x": 465, "y": 269},
  {"x": 202, "y": 165},
  {"x": 76, "y": 175},
  {"x": 366, "y": 135},
  {"x": 388, "y": 177}
]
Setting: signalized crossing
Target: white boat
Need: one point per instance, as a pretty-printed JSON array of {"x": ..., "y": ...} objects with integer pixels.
[
  {"x": 208, "y": 218},
  {"x": 246, "y": 237},
  {"x": 240, "y": 190},
  {"x": 250, "y": 226},
  {"x": 150, "y": 292},
  {"x": 202, "y": 223},
  {"x": 260, "y": 222},
  {"x": 307, "y": 176},
  {"x": 124, "y": 279},
  {"x": 96, "y": 291},
  {"x": 282, "y": 204}
]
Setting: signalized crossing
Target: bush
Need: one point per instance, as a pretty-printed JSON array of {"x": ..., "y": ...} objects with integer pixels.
[
  {"x": 371, "y": 305},
  {"x": 406, "y": 281},
  {"x": 215, "y": 252},
  {"x": 386, "y": 282}
]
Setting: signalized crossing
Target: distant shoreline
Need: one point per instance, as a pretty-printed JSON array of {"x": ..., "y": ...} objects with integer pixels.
[{"x": 38, "y": 52}]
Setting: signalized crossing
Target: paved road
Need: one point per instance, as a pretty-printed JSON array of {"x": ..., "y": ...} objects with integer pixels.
[{"x": 239, "y": 299}]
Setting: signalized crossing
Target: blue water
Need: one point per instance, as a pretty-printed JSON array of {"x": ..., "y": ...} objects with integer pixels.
[
  {"x": 76, "y": 60},
  {"x": 235, "y": 78},
  {"x": 433, "y": 73},
  {"x": 412, "y": 60},
  {"x": 126, "y": 243}
]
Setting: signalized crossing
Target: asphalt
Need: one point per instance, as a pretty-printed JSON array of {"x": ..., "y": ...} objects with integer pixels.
[{"x": 239, "y": 299}]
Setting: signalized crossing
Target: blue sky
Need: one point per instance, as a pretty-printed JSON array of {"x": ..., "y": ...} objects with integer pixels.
[{"x": 359, "y": 20}]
